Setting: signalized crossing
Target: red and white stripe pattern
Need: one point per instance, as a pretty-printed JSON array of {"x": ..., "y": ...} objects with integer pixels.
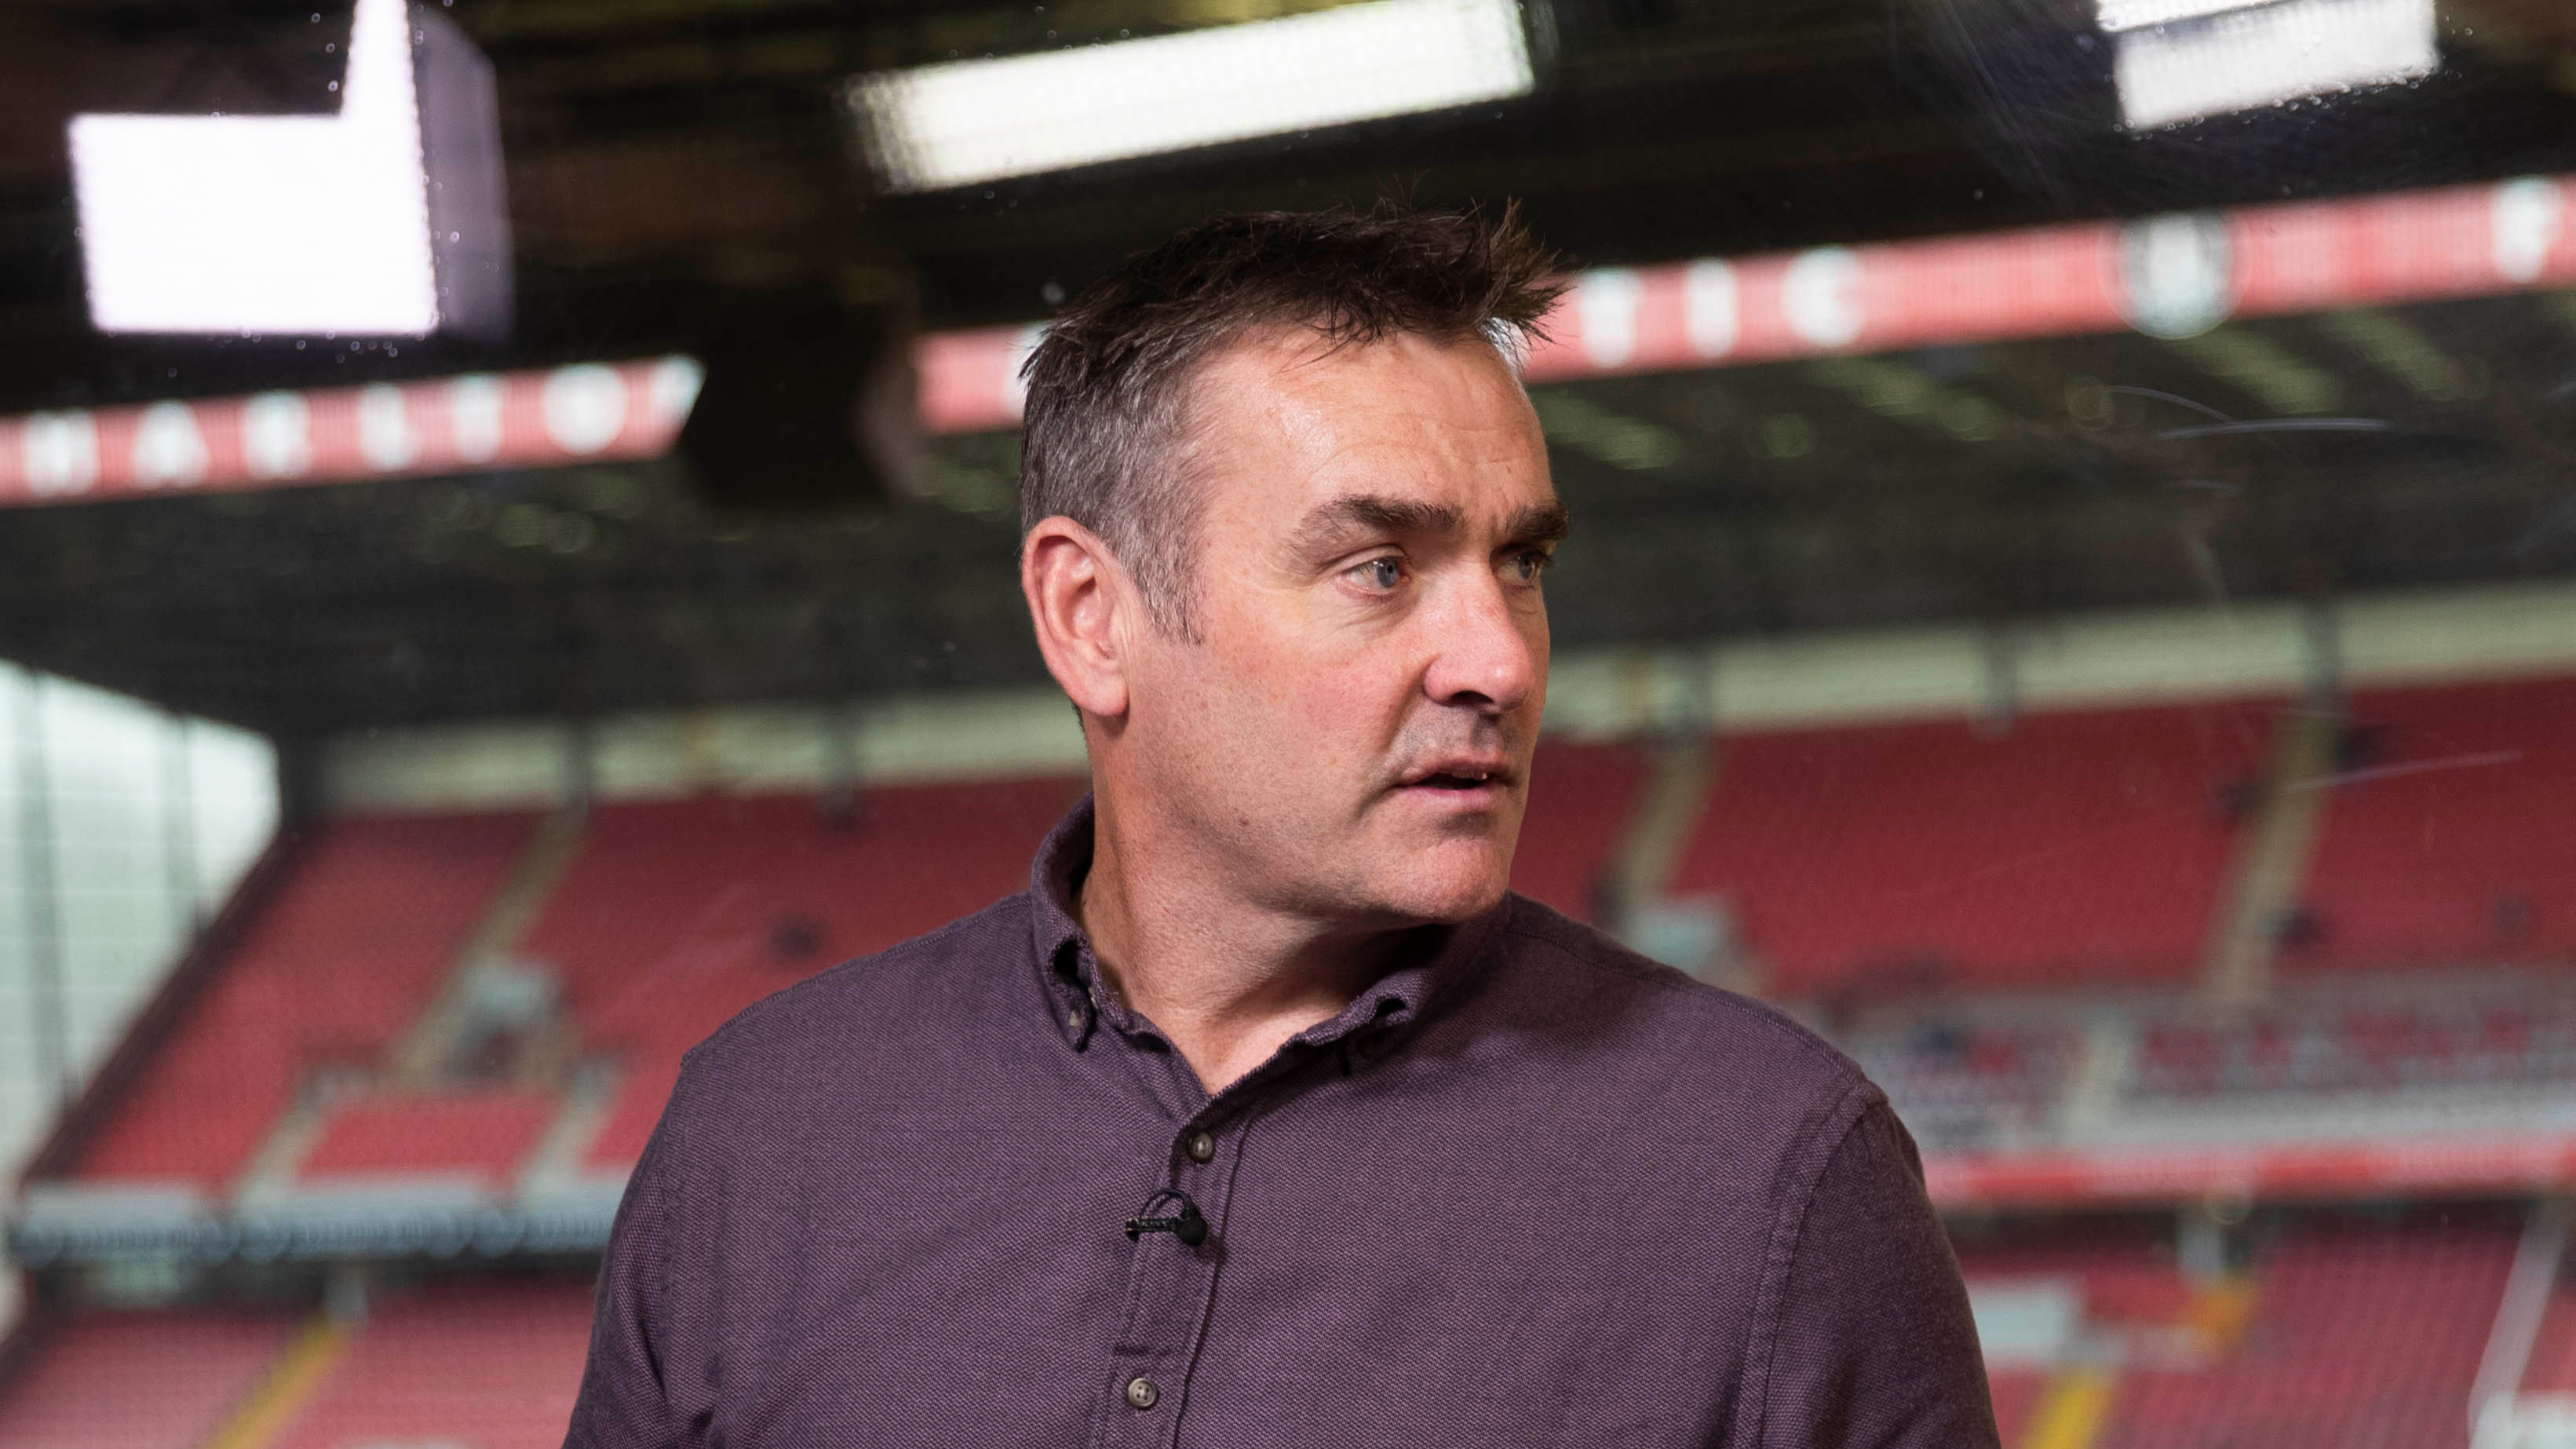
[
  {"x": 2168, "y": 275},
  {"x": 586, "y": 412}
]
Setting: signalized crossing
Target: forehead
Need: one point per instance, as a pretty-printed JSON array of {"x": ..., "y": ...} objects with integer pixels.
[{"x": 1284, "y": 420}]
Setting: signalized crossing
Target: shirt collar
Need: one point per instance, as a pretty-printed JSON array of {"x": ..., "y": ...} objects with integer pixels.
[{"x": 1081, "y": 1002}]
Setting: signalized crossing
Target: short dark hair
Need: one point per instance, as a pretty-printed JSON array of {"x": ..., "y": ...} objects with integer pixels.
[{"x": 1108, "y": 385}]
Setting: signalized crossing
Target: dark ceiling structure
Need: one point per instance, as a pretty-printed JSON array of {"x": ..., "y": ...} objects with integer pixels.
[{"x": 680, "y": 173}]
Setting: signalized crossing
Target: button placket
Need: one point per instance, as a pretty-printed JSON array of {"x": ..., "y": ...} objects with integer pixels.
[
  {"x": 1167, "y": 1314},
  {"x": 1170, "y": 1287}
]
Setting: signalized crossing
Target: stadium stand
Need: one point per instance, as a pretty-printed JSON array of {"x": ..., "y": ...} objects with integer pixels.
[
  {"x": 2552, "y": 1366},
  {"x": 2360, "y": 1334},
  {"x": 2017, "y": 1394},
  {"x": 481, "y": 1134},
  {"x": 139, "y": 1380},
  {"x": 490, "y": 1365},
  {"x": 1963, "y": 1082},
  {"x": 2122, "y": 1272},
  {"x": 1580, "y": 796},
  {"x": 2450, "y": 835},
  {"x": 341, "y": 962},
  {"x": 2095, "y": 845},
  {"x": 2415, "y": 1045},
  {"x": 2074, "y": 846}
]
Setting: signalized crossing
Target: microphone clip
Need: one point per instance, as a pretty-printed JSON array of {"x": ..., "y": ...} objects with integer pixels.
[{"x": 1189, "y": 1225}]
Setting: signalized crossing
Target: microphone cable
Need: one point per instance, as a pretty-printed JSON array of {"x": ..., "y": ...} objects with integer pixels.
[{"x": 1189, "y": 1225}]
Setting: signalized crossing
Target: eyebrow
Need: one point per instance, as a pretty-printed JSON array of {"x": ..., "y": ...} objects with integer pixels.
[
  {"x": 1359, "y": 512},
  {"x": 1540, "y": 523}
]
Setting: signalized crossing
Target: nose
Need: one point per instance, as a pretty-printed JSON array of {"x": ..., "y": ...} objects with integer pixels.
[{"x": 1488, "y": 649}]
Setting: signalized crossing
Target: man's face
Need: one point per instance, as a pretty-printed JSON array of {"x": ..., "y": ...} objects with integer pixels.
[{"x": 1349, "y": 736}]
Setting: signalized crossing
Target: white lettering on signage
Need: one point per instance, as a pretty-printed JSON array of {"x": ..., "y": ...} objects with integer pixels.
[
  {"x": 277, "y": 435},
  {"x": 474, "y": 414},
  {"x": 2525, "y": 218},
  {"x": 59, "y": 452},
  {"x": 1605, "y": 307},
  {"x": 1709, "y": 312},
  {"x": 674, "y": 388},
  {"x": 1015, "y": 382},
  {"x": 1820, "y": 295},
  {"x": 168, "y": 450},
  {"x": 386, "y": 438},
  {"x": 585, "y": 407}
]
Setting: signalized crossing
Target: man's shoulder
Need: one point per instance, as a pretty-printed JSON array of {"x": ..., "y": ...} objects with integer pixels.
[
  {"x": 907, "y": 993},
  {"x": 1635, "y": 1016}
]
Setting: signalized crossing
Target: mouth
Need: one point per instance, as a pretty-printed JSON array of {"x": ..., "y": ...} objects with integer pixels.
[{"x": 1462, "y": 778}]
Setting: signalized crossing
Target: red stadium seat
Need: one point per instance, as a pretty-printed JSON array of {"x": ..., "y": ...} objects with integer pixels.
[
  {"x": 140, "y": 1380},
  {"x": 480, "y": 1134},
  {"x": 356, "y": 943},
  {"x": 2552, "y": 1366},
  {"x": 2360, "y": 1335},
  {"x": 492, "y": 1365},
  {"x": 1580, "y": 798},
  {"x": 2017, "y": 1393},
  {"x": 2451, "y": 834},
  {"x": 2077, "y": 846}
]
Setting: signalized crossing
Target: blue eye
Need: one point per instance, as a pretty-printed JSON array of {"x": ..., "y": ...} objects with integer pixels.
[
  {"x": 1527, "y": 567},
  {"x": 1380, "y": 573}
]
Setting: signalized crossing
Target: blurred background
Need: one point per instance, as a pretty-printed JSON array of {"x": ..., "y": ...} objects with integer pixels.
[{"x": 506, "y": 557}]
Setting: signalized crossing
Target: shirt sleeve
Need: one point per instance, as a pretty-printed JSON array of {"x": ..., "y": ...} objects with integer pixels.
[
  {"x": 1874, "y": 1347},
  {"x": 633, "y": 1385}
]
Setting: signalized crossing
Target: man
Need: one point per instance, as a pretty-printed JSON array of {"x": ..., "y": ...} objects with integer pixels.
[{"x": 1266, "y": 1117}]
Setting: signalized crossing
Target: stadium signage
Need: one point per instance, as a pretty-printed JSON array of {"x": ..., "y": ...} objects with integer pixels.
[
  {"x": 582, "y": 413},
  {"x": 2167, "y": 276},
  {"x": 2458, "y": 1163},
  {"x": 327, "y": 1235}
]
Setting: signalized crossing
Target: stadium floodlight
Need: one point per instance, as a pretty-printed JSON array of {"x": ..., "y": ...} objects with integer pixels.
[
  {"x": 2182, "y": 60},
  {"x": 382, "y": 220},
  {"x": 980, "y": 120},
  {"x": 2118, "y": 15}
]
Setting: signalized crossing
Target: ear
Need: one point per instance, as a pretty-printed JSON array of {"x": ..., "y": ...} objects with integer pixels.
[{"x": 1084, "y": 607}]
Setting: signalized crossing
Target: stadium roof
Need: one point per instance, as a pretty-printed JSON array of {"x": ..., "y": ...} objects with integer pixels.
[{"x": 672, "y": 162}]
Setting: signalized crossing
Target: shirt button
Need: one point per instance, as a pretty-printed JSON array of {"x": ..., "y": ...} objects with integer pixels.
[
  {"x": 1141, "y": 1392},
  {"x": 1201, "y": 1147}
]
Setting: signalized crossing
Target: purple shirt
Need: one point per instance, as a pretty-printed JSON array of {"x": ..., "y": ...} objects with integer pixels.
[{"x": 1528, "y": 1189}]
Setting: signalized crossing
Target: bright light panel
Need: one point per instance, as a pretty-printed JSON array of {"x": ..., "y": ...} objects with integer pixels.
[
  {"x": 2263, "y": 55},
  {"x": 2119, "y": 15},
  {"x": 254, "y": 224},
  {"x": 979, "y": 120}
]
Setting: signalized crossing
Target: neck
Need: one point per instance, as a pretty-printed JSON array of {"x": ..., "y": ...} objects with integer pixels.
[{"x": 1224, "y": 977}]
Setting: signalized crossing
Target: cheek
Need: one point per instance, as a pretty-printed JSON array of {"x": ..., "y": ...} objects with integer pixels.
[
  {"x": 1300, "y": 684},
  {"x": 1331, "y": 706},
  {"x": 1539, "y": 657}
]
